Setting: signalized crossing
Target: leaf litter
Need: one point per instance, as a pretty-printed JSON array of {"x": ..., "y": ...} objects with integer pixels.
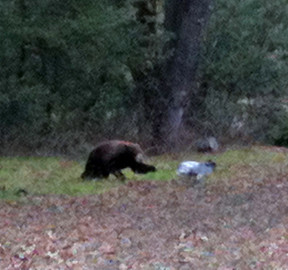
[{"x": 151, "y": 225}]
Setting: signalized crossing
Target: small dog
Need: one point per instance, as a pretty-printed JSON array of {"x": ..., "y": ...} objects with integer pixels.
[{"x": 195, "y": 168}]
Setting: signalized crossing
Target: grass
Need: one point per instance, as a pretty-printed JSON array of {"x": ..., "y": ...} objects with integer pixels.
[{"x": 51, "y": 175}]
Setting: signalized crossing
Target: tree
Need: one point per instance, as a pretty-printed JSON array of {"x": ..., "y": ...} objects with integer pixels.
[
  {"x": 187, "y": 21},
  {"x": 65, "y": 71},
  {"x": 176, "y": 84},
  {"x": 243, "y": 71}
]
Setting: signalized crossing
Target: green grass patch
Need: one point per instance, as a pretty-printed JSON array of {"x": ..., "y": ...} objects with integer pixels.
[{"x": 51, "y": 175}]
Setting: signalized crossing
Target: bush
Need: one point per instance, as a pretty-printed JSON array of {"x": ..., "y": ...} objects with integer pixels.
[{"x": 244, "y": 58}]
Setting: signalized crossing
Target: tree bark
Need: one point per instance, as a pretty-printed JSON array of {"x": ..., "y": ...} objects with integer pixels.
[
  {"x": 186, "y": 19},
  {"x": 22, "y": 52}
]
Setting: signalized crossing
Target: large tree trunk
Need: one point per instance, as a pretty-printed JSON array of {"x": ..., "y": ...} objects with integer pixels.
[
  {"x": 171, "y": 85},
  {"x": 187, "y": 20}
]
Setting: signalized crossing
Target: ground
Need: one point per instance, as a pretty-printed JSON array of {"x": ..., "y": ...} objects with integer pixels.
[{"x": 156, "y": 225}]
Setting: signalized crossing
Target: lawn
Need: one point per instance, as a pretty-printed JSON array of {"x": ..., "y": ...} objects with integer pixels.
[
  {"x": 54, "y": 175},
  {"x": 236, "y": 220}
]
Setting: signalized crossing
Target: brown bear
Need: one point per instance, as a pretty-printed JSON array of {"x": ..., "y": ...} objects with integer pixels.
[{"x": 113, "y": 156}]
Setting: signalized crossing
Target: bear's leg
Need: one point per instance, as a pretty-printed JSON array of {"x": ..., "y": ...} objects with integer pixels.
[
  {"x": 138, "y": 167},
  {"x": 104, "y": 173},
  {"x": 120, "y": 175}
]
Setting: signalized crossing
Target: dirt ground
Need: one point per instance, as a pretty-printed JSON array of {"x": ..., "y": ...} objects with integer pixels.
[{"x": 150, "y": 225}]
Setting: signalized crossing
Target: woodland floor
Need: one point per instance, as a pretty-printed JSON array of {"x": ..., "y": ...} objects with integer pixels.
[{"x": 151, "y": 225}]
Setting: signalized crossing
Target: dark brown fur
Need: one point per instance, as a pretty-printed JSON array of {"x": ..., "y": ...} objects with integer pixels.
[{"x": 113, "y": 156}]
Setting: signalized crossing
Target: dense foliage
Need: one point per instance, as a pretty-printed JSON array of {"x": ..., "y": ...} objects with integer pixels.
[
  {"x": 244, "y": 67},
  {"x": 76, "y": 71},
  {"x": 65, "y": 68}
]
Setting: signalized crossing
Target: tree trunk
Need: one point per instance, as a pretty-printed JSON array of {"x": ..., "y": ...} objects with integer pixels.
[
  {"x": 187, "y": 20},
  {"x": 22, "y": 51}
]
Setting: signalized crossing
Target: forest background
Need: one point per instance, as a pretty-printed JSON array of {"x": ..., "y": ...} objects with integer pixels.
[{"x": 162, "y": 73}]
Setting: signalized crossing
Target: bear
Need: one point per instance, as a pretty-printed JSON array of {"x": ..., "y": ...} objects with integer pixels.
[{"x": 110, "y": 157}]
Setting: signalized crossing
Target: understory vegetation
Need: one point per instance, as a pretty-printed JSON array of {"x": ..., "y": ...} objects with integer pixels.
[{"x": 76, "y": 73}]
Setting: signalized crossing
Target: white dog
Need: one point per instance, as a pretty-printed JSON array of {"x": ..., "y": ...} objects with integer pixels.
[{"x": 194, "y": 168}]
